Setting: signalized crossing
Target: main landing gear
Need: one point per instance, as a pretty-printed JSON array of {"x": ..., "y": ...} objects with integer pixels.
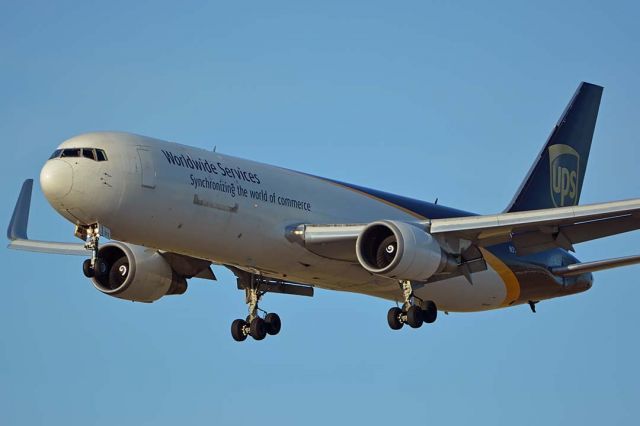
[
  {"x": 414, "y": 311},
  {"x": 254, "y": 325},
  {"x": 256, "y": 286}
]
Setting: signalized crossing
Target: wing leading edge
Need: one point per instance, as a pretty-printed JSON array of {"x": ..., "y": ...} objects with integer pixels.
[
  {"x": 539, "y": 230},
  {"x": 529, "y": 231}
]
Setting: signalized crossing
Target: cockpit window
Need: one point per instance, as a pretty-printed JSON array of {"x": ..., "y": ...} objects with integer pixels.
[
  {"x": 74, "y": 152},
  {"x": 90, "y": 153},
  {"x": 100, "y": 155}
]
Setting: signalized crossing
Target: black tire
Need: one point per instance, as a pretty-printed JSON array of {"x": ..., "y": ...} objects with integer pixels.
[
  {"x": 273, "y": 323},
  {"x": 237, "y": 330},
  {"x": 258, "y": 329},
  {"x": 87, "y": 269},
  {"x": 414, "y": 316},
  {"x": 431, "y": 313},
  {"x": 387, "y": 251},
  {"x": 393, "y": 318}
]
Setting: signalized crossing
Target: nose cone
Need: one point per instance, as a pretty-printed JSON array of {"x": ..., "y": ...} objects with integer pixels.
[{"x": 56, "y": 178}]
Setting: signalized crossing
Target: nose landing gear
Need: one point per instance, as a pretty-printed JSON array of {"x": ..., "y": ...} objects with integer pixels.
[
  {"x": 414, "y": 311},
  {"x": 91, "y": 235}
]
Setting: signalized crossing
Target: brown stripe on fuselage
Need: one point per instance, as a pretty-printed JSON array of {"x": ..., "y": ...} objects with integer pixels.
[{"x": 373, "y": 197}]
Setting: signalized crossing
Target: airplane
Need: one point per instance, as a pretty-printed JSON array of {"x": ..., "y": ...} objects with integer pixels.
[{"x": 172, "y": 211}]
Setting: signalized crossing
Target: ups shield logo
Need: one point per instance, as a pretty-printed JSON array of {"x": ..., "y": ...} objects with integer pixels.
[{"x": 564, "y": 166}]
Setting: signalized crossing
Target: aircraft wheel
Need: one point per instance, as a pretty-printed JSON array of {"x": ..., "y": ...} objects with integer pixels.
[
  {"x": 258, "y": 329},
  {"x": 431, "y": 313},
  {"x": 414, "y": 316},
  {"x": 393, "y": 318},
  {"x": 87, "y": 269},
  {"x": 272, "y": 323},
  {"x": 237, "y": 330}
]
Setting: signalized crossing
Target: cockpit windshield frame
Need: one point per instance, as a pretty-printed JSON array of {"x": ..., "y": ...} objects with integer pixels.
[{"x": 94, "y": 154}]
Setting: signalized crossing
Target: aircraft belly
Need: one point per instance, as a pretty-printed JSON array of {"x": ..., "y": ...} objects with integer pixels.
[
  {"x": 458, "y": 295},
  {"x": 455, "y": 295}
]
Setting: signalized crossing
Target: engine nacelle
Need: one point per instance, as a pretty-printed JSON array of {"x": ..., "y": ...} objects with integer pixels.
[
  {"x": 135, "y": 273},
  {"x": 402, "y": 251}
]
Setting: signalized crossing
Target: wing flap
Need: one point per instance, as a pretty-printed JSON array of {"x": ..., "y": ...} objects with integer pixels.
[
  {"x": 529, "y": 231},
  {"x": 566, "y": 236},
  {"x": 538, "y": 230}
]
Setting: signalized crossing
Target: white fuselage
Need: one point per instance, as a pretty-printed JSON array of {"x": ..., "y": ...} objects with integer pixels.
[{"x": 236, "y": 212}]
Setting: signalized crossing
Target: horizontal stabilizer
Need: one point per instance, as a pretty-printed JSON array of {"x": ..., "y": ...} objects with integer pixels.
[{"x": 598, "y": 265}]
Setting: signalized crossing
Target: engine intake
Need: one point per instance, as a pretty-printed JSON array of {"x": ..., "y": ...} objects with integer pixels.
[
  {"x": 135, "y": 273},
  {"x": 402, "y": 251}
]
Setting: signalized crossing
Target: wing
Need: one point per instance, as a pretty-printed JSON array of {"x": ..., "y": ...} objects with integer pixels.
[
  {"x": 529, "y": 231},
  {"x": 539, "y": 230},
  {"x": 18, "y": 240},
  {"x": 17, "y": 231}
]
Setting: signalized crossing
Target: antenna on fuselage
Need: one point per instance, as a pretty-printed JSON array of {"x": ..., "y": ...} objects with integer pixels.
[{"x": 214, "y": 148}]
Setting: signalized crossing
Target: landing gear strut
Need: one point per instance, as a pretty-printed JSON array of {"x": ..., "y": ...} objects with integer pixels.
[
  {"x": 414, "y": 311},
  {"x": 91, "y": 235},
  {"x": 254, "y": 325}
]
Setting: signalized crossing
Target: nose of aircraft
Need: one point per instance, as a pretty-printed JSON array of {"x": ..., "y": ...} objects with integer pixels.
[{"x": 56, "y": 178}]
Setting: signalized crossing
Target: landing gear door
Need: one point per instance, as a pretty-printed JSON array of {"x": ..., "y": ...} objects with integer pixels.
[{"x": 146, "y": 168}]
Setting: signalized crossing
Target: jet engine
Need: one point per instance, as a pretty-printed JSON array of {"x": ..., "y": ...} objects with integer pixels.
[
  {"x": 135, "y": 273},
  {"x": 402, "y": 251}
]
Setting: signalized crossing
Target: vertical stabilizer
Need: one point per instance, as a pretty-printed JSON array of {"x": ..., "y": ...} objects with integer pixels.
[{"x": 555, "y": 179}]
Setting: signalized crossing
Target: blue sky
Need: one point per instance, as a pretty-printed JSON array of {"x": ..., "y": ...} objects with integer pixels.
[{"x": 425, "y": 99}]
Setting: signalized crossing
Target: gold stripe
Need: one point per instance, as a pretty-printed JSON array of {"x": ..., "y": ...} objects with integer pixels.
[
  {"x": 366, "y": 194},
  {"x": 511, "y": 284}
]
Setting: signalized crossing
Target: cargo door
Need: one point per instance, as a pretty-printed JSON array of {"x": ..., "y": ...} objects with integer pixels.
[{"x": 146, "y": 167}]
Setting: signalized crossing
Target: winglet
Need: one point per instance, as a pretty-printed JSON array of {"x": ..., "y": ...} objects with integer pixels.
[{"x": 17, "y": 229}]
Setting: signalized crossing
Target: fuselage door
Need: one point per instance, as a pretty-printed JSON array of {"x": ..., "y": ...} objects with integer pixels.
[{"x": 146, "y": 168}]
